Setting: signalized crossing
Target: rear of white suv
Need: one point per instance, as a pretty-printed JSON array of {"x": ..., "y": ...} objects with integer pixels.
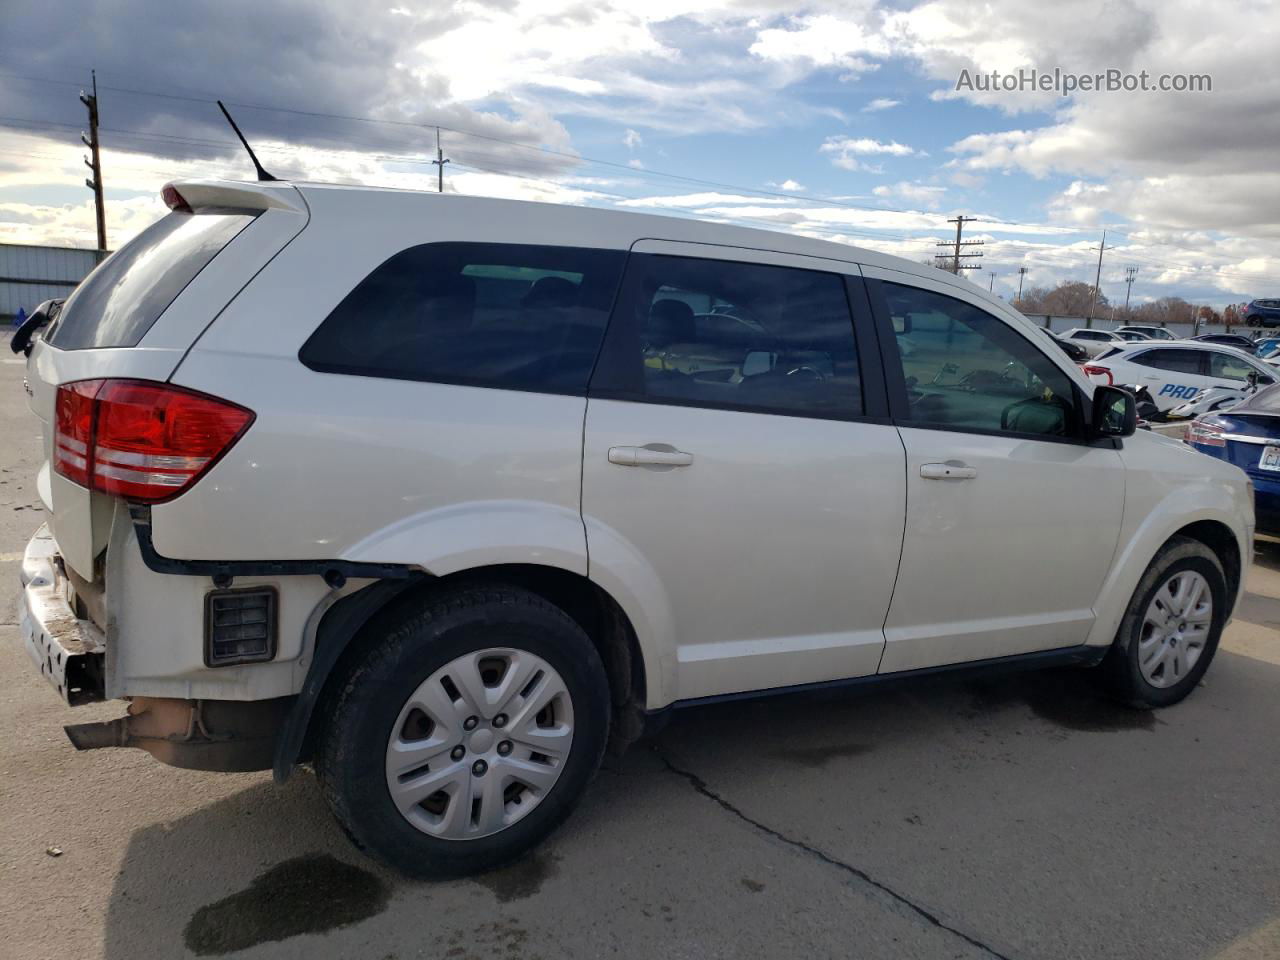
[{"x": 444, "y": 494}]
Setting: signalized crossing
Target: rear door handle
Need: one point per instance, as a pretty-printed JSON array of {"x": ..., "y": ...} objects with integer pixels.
[
  {"x": 951, "y": 470},
  {"x": 651, "y": 455}
]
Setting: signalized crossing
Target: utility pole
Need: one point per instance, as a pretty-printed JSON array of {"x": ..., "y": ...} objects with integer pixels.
[
  {"x": 1097, "y": 280},
  {"x": 1022, "y": 272},
  {"x": 95, "y": 164},
  {"x": 1130, "y": 274},
  {"x": 955, "y": 265},
  {"x": 439, "y": 161}
]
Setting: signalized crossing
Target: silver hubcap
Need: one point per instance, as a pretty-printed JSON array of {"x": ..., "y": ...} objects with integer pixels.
[
  {"x": 1175, "y": 629},
  {"x": 479, "y": 744}
]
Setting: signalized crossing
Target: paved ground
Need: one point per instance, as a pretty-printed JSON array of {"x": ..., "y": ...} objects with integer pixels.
[{"x": 1017, "y": 818}]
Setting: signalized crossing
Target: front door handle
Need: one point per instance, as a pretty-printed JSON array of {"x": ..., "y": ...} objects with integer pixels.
[
  {"x": 951, "y": 470},
  {"x": 650, "y": 455}
]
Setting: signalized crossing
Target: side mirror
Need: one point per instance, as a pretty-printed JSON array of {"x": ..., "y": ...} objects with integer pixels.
[
  {"x": 24, "y": 337},
  {"x": 1115, "y": 413}
]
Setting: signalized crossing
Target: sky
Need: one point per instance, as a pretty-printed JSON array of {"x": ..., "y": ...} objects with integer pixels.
[{"x": 840, "y": 121}]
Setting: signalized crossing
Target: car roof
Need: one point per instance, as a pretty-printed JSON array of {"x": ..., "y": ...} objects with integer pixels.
[{"x": 1188, "y": 345}]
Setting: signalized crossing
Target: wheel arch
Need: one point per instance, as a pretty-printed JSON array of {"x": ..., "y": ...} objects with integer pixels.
[
  {"x": 1213, "y": 528},
  {"x": 1219, "y": 538},
  {"x": 355, "y": 620}
]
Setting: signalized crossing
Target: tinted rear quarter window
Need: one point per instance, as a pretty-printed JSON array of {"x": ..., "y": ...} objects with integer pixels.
[
  {"x": 512, "y": 316},
  {"x": 119, "y": 302}
]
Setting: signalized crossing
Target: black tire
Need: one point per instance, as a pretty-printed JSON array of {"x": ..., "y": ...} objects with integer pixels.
[
  {"x": 350, "y": 761},
  {"x": 1120, "y": 669}
]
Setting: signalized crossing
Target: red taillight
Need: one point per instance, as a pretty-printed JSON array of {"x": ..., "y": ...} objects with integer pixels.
[
  {"x": 1092, "y": 370},
  {"x": 1204, "y": 433},
  {"x": 142, "y": 441},
  {"x": 174, "y": 200},
  {"x": 73, "y": 416}
]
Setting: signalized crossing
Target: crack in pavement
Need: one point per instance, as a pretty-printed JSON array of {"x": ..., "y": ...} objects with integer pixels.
[{"x": 932, "y": 919}]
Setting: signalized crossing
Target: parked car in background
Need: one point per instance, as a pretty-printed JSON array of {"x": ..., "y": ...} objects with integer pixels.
[
  {"x": 1248, "y": 435},
  {"x": 1237, "y": 340},
  {"x": 1154, "y": 332},
  {"x": 1133, "y": 336},
  {"x": 1094, "y": 341},
  {"x": 1214, "y": 400},
  {"x": 445, "y": 494},
  {"x": 1177, "y": 372},
  {"x": 1262, "y": 313},
  {"x": 1072, "y": 349}
]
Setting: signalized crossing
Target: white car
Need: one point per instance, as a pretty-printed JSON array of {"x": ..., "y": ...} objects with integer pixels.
[
  {"x": 1176, "y": 372},
  {"x": 445, "y": 494},
  {"x": 1150, "y": 332},
  {"x": 1094, "y": 341}
]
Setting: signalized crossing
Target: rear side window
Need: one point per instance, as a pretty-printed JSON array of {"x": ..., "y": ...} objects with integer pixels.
[
  {"x": 513, "y": 316},
  {"x": 117, "y": 304},
  {"x": 1174, "y": 360},
  {"x": 742, "y": 336}
]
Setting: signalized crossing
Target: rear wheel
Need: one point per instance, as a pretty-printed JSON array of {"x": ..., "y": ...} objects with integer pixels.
[
  {"x": 1171, "y": 630},
  {"x": 466, "y": 735}
]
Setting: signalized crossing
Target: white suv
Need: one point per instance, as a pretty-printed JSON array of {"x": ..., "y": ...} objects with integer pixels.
[{"x": 444, "y": 495}]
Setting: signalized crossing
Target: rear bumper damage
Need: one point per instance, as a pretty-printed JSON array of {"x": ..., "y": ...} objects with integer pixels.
[{"x": 68, "y": 651}]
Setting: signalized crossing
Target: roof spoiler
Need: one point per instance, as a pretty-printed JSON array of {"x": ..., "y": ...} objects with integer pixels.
[{"x": 194, "y": 196}]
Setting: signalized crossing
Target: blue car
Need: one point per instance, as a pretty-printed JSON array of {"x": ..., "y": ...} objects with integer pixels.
[
  {"x": 1262, "y": 313},
  {"x": 1248, "y": 435}
]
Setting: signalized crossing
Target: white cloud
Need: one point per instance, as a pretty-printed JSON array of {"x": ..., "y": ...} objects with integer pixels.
[
  {"x": 632, "y": 139},
  {"x": 844, "y": 151},
  {"x": 920, "y": 194},
  {"x": 825, "y": 41},
  {"x": 791, "y": 186},
  {"x": 880, "y": 103}
]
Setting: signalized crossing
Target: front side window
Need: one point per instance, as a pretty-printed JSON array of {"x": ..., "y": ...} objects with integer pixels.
[
  {"x": 967, "y": 369},
  {"x": 740, "y": 335},
  {"x": 1171, "y": 359},
  {"x": 1230, "y": 368},
  {"x": 510, "y": 316}
]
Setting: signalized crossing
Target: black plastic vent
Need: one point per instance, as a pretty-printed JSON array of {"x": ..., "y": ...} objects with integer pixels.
[{"x": 239, "y": 626}]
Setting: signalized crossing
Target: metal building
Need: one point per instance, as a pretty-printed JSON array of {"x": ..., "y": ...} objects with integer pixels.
[{"x": 31, "y": 275}]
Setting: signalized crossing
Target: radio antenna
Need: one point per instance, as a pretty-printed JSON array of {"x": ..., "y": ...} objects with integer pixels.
[{"x": 262, "y": 173}]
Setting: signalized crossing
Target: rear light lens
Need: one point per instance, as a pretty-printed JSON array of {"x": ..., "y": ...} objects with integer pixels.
[
  {"x": 1093, "y": 370},
  {"x": 174, "y": 200},
  {"x": 1206, "y": 433},
  {"x": 142, "y": 441}
]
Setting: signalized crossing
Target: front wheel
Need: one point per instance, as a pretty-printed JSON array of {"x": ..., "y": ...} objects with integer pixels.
[
  {"x": 466, "y": 735},
  {"x": 1171, "y": 630}
]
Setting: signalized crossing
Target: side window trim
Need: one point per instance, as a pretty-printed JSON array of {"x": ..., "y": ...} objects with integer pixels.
[
  {"x": 619, "y": 372},
  {"x": 896, "y": 383}
]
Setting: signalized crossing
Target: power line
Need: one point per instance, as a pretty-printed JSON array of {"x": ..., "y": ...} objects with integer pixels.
[{"x": 577, "y": 158}]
